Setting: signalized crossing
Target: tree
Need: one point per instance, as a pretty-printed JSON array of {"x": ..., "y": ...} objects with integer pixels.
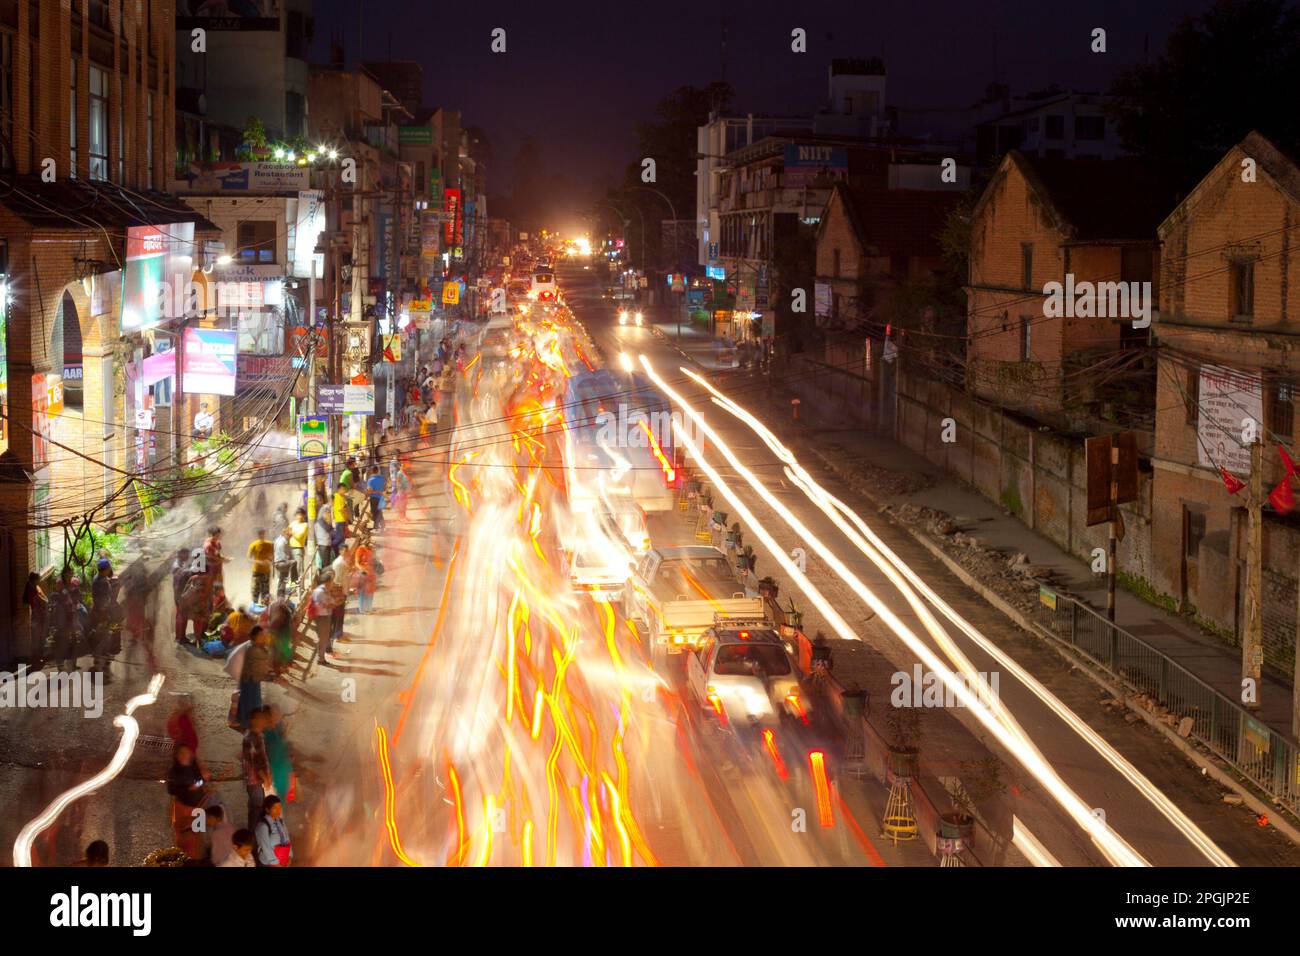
[
  {"x": 1222, "y": 74},
  {"x": 670, "y": 140}
]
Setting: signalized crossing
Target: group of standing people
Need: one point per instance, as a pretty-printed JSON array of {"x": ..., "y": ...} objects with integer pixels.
[{"x": 73, "y": 626}]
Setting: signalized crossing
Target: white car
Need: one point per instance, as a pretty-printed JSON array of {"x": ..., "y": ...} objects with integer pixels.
[
  {"x": 743, "y": 673},
  {"x": 544, "y": 288}
]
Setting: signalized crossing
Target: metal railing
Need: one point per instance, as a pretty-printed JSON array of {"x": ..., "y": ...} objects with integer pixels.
[{"x": 1260, "y": 754}]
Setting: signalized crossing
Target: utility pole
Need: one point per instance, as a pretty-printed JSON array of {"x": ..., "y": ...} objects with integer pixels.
[
  {"x": 311, "y": 386},
  {"x": 1252, "y": 648},
  {"x": 1112, "y": 547}
]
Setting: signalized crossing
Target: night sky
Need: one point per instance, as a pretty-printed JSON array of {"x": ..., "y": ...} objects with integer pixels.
[{"x": 578, "y": 75}]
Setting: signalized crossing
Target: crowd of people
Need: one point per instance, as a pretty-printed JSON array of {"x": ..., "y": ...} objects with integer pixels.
[{"x": 294, "y": 558}]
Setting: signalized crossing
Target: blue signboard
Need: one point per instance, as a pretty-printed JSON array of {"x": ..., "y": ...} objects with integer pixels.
[{"x": 715, "y": 272}]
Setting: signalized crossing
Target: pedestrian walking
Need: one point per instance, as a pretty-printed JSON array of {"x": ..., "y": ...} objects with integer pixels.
[
  {"x": 323, "y": 533},
  {"x": 286, "y": 565},
  {"x": 105, "y": 614},
  {"x": 278, "y": 753},
  {"x": 376, "y": 487},
  {"x": 32, "y": 652},
  {"x": 320, "y": 611},
  {"x": 258, "y": 666},
  {"x": 187, "y": 784},
  {"x": 256, "y": 770},
  {"x": 262, "y": 553},
  {"x": 180, "y": 724},
  {"x": 140, "y": 608},
  {"x": 64, "y": 618},
  {"x": 342, "y": 508},
  {"x": 279, "y": 621},
  {"x": 299, "y": 529},
  {"x": 273, "y": 845},
  {"x": 401, "y": 491},
  {"x": 214, "y": 560},
  {"x": 365, "y": 584}
]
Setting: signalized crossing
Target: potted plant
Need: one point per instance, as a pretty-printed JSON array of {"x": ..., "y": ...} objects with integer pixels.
[
  {"x": 904, "y": 725},
  {"x": 733, "y": 538},
  {"x": 768, "y": 588},
  {"x": 980, "y": 780}
]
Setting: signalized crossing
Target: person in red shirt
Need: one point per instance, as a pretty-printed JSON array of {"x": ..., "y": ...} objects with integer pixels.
[
  {"x": 213, "y": 557},
  {"x": 180, "y": 724}
]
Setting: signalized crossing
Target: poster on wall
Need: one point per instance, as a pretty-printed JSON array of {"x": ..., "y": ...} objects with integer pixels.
[
  {"x": 310, "y": 223},
  {"x": 313, "y": 437},
  {"x": 211, "y": 363},
  {"x": 1228, "y": 398}
]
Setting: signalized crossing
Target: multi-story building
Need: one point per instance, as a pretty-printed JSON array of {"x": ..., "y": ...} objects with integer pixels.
[
  {"x": 1049, "y": 124},
  {"x": 86, "y": 96},
  {"x": 1063, "y": 261},
  {"x": 1229, "y": 366}
]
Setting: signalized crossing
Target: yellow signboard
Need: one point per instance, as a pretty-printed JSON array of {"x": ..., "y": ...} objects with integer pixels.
[{"x": 451, "y": 293}]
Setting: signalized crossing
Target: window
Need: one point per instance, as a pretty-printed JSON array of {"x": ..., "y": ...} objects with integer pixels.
[
  {"x": 835, "y": 263},
  {"x": 1193, "y": 531},
  {"x": 72, "y": 122},
  {"x": 1090, "y": 127},
  {"x": 1280, "y": 409},
  {"x": 99, "y": 124},
  {"x": 294, "y": 112},
  {"x": 1242, "y": 289},
  {"x": 1192, "y": 394},
  {"x": 1031, "y": 125},
  {"x": 1055, "y": 126},
  {"x": 1026, "y": 265},
  {"x": 740, "y": 660},
  {"x": 256, "y": 241},
  {"x": 1026, "y": 338}
]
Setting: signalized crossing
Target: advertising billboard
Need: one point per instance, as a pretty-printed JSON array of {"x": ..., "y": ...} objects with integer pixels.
[
  {"x": 451, "y": 217},
  {"x": 159, "y": 269},
  {"x": 313, "y": 437},
  {"x": 263, "y": 177},
  {"x": 1227, "y": 398},
  {"x": 805, "y": 163},
  {"x": 211, "y": 361},
  {"x": 310, "y": 223}
]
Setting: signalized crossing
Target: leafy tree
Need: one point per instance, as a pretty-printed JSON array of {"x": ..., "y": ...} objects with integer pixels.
[{"x": 1232, "y": 69}]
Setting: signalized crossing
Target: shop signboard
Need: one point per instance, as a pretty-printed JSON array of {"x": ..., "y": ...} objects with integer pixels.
[
  {"x": 158, "y": 259},
  {"x": 313, "y": 437},
  {"x": 210, "y": 357}
]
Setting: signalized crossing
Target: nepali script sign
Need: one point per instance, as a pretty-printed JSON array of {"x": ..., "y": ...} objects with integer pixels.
[{"x": 1228, "y": 400}]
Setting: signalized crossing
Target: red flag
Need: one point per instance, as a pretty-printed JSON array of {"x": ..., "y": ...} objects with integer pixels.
[
  {"x": 1287, "y": 463},
  {"x": 1282, "y": 498},
  {"x": 1232, "y": 483}
]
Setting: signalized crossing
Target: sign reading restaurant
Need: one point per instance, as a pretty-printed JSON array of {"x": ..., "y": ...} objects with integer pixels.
[{"x": 268, "y": 177}]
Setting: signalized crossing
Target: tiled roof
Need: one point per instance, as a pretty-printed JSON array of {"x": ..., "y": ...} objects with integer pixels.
[
  {"x": 898, "y": 221},
  {"x": 1114, "y": 200}
]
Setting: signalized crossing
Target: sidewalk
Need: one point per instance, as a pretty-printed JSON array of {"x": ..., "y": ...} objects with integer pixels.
[{"x": 1204, "y": 656}]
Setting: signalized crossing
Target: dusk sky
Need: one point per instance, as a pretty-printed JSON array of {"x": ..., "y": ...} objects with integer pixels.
[{"x": 578, "y": 75}]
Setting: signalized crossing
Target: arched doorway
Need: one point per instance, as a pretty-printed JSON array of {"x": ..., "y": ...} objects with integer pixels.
[{"x": 67, "y": 343}]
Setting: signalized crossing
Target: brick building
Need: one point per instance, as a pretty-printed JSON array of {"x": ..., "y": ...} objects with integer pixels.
[
  {"x": 869, "y": 241},
  {"x": 1087, "y": 225},
  {"x": 87, "y": 101},
  {"x": 1229, "y": 346}
]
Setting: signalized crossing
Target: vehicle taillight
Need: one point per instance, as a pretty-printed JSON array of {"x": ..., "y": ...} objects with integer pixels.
[{"x": 716, "y": 703}]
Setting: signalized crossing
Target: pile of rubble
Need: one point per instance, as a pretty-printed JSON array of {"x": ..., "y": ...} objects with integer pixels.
[
  {"x": 1010, "y": 575},
  {"x": 872, "y": 480}
]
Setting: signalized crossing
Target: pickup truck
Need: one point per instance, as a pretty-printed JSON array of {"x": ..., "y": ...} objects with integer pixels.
[{"x": 678, "y": 592}]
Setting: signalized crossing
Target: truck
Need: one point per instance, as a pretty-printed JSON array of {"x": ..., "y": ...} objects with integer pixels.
[{"x": 678, "y": 594}]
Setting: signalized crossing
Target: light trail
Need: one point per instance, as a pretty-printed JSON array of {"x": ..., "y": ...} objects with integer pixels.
[
  {"x": 881, "y": 555},
  {"x": 130, "y": 728},
  {"x": 1112, "y": 845}
]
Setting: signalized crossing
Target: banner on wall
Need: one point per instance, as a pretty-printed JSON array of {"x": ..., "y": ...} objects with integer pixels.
[{"x": 159, "y": 269}]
